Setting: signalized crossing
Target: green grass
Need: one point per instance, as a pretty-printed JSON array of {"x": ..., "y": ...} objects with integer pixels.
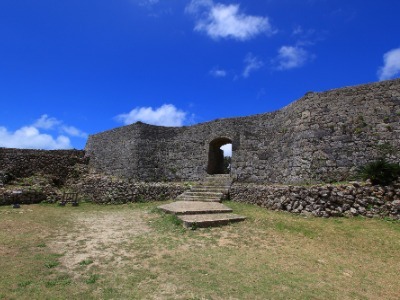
[
  {"x": 92, "y": 279},
  {"x": 85, "y": 262},
  {"x": 51, "y": 264},
  {"x": 148, "y": 254}
]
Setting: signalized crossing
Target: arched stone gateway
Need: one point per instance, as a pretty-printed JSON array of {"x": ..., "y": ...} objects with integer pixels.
[
  {"x": 321, "y": 137},
  {"x": 216, "y": 155}
]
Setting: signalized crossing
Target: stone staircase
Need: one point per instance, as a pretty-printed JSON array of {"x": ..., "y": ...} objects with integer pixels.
[{"x": 201, "y": 206}]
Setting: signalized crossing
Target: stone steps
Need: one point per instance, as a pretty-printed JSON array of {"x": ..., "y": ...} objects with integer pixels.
[
  {"x": 201, "y": 196},
  {"x": 206, "y": 191},
  {"x": 200, "y": 207},
  {"x": 211, "y": 188},
  {"x": 223, "y": 192},
  {"x": 204, "y": 194},
  {"x": 198, "y": 199}
]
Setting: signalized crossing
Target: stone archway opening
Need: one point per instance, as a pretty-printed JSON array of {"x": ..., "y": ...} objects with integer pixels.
[{"x": 219, "y": 156}]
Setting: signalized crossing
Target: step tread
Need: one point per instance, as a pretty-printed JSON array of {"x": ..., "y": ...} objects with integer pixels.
[
  {"x": 200, "y": 200},
  {"x": 205, "y": 188},
  {"x": 194, "y": 207},
  {"x": 205, "y": 220},
  {"x": 203, "y": 193}
]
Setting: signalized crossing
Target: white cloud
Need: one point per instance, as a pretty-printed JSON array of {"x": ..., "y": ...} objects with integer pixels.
[
  {"x": 217, "y": 72},
  {"x": 290, "y": 57},
  {"x": 391, "y": 66},
  {"x": 227, "y": 149},
  {"x": 48, "y": 123},
  {"x": 226, "y": 21},
  {"x": 196, "y": 6},
  {"x": 45, "y": 122},
  {"x": 252, "y": 63},
  {"x": 73, "y": 131},
  {"x": 165, "y": 115},
  {"x": 30, "y": 137}
]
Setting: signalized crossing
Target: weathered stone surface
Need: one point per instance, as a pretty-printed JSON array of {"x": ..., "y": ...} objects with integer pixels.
[
  {"x": 194, "y": 207},
  {"x": 208, "y": 220},
  {"x": 350, "y": 199},
  {"x": 33, "y": 176},
  {"x": 22, "y": 196},
  {"x": 18, "y": 163},
  {"x": 322, "y": 137},
  {"x": 103, "y": 189},
  {"x": 214, "y": 188}
]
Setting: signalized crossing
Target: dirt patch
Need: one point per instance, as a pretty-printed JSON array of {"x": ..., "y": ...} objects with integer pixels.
[
  {"x": 15, "y": 211},
  {"x": 99, "y": 238}
]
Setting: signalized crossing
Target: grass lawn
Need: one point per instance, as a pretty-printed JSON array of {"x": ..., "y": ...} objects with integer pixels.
[{"x": 135, "y": 252}]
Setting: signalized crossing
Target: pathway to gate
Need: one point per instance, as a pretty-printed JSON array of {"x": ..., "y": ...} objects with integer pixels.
[{"x": 201, "y": 206}]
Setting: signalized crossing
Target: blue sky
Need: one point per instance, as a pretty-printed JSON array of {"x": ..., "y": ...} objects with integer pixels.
[{"x": 78, "y": 67}]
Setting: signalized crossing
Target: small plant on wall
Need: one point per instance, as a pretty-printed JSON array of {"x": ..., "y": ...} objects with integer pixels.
[{"x": 380, "y": 172}]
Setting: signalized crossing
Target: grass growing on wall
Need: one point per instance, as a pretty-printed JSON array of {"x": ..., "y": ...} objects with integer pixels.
[{"x": 133, "y": 251}]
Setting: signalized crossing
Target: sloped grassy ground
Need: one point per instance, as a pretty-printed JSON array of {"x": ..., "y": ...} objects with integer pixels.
[{"x": 135, "y": 252}]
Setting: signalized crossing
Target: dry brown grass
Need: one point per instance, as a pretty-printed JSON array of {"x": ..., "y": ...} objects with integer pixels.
[{"x": 132, "y": 252}]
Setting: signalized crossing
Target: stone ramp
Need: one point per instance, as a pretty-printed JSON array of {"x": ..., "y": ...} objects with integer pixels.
[{"x": 200, "y": 207}]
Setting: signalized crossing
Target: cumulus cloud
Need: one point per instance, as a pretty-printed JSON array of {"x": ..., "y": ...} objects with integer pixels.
[
  {"x": 217, "y": 72},
  {"x": 227, "y": 149},
  {"x": 49, "y": 123},
  {"x": 391, "y": 65},
  {"x": 73, "y": 131},
  {"x": 165, "y": 115},
  {"x": 252, "y": 63},
  {"x": 33, "y": 137},
  {"x": 30, "y": 137},
  {"x": 227, "y": 21},
  {"x": 46, "y": 122},
  {"x": 290, "y": 57}
]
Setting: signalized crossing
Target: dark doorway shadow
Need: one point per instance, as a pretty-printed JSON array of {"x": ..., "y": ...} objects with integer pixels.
[{"x": 216, "y": 164}]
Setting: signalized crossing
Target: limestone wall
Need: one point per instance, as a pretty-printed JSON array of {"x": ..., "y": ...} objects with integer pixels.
[
  {"x": 323, "y": 200},
  {"x": 22, "y": 196},
  {"x": 25, "y": 163},
  {"x": 322, "y": 137},
  {"x": 108, "y": 190}
]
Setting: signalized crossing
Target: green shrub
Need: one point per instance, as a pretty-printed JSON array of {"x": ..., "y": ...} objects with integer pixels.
[{"x": 380, "y": 172}]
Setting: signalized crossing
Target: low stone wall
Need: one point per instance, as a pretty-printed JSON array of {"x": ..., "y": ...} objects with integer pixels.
[
  {"x": 37, "y": 192},
  {"x": 22, "y": 196},
  {"x": 323, "y": 200},
  {"x": 109, "y": 190}
]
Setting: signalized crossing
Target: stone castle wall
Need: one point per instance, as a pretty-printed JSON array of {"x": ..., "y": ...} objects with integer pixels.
[
  {"x": 322, "y": 137},
  {"x": 21, "y": 163}
]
